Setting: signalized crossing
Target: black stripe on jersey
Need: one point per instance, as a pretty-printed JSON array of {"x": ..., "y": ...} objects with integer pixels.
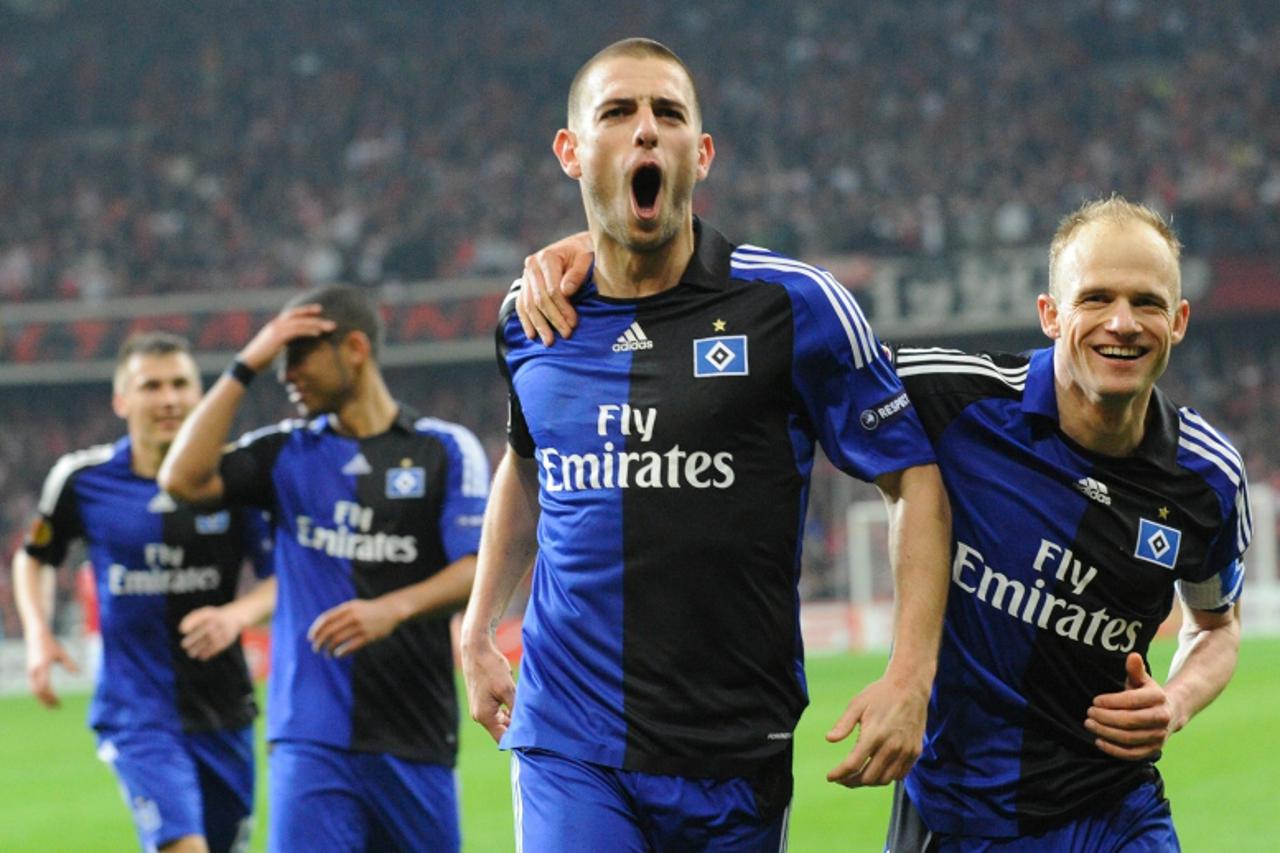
[
  {"x": 674, "y": 692},
  {"x": 216, "y": 693},
  {"x": 402, "y": 687}
]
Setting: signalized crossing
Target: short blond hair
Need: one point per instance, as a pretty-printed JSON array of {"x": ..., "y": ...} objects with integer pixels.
[
  {"x": 146, "y": 343},
  {"x": 1119, "y": 210}
]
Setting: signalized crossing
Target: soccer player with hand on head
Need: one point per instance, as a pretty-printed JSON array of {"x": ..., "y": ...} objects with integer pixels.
[{"x": 378, "y": 517}]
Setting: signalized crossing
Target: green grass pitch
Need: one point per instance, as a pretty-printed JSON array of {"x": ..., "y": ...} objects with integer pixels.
[{"x": 1220, "y": 772}]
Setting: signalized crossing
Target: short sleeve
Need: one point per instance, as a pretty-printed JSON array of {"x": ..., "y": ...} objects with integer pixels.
[
  {"x": 246, "y": 466},
  {"x": 57, "y": 523},
  {"x": 862, "y": 415},
  {"x": 1225, "y": 582},
  {"x": 466, "y": 488}
]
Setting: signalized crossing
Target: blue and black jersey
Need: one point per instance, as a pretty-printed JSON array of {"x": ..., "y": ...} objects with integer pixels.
[
  {"x": 1065, "y": 561},
  {"x": 154, "y": 561},
  {"x": 357, "y": 518},
  {"x": 674, "y": 436}
]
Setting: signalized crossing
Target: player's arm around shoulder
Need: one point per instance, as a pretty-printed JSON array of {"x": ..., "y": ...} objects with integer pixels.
[{"x": 508, "y": 545}]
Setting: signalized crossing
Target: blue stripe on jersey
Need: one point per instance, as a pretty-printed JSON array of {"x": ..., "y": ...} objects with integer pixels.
[
  {"x": 135, "y": 685},
  {"x": 309, "y": 695},
  {"x": 580, "y": 534}
]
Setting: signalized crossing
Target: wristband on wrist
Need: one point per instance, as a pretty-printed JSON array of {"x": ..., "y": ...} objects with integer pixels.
[{"x": 241, "y": 372}]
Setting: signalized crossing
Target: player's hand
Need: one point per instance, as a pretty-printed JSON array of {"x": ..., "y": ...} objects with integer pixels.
[
  {"x": 1135, "y": 723},
  {"x": 208, "y": 631},
  {"x": 43, "y": 651},
  {"x": 491, "y": 689},
  {"x": 890, "y": 716},
  {"x": 351, "y": 626},
  {"x": 550, "y": 277},
  {"x": 302, "y": 321}
]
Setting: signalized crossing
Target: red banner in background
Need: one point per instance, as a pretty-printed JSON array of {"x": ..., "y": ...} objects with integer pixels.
[{"x": 1242, "y": 285}]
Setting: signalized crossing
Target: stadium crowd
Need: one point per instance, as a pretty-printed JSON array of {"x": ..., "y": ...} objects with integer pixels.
[{"x": 256, "y": 145}]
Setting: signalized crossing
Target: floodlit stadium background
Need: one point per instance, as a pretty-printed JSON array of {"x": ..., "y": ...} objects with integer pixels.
[{"x": 191, "y": 168}]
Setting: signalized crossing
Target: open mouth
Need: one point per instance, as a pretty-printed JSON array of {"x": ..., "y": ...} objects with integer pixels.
[
  {"x": 1118, "y": 353},
  {"x": 645, "y": 184}
]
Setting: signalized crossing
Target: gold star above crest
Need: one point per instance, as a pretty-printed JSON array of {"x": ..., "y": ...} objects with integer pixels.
[
  {"x": 718, "y": 325},
  {"x": 1164, "y": 513},
  {"x": 406, "y": 462}
]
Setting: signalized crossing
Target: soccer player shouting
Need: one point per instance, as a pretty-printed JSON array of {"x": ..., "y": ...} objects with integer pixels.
[
  {"x": 173, "y": 708},
  {"x": 1083, "y": 499},
  {"x": 378, "y": 517},
  {"x": 658, "y": 466}
]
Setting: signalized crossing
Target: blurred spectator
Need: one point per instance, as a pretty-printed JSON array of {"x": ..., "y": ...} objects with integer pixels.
[{"x": 150, "y": 147}]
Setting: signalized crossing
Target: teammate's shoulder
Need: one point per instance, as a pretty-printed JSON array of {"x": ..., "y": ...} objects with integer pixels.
[
  {"x": 465, "y": 447},
  {"x": 439, "y": 426},
  {"x": 1201, "y": 446},
  {"x": 276, "y": 431},
  {"x": 70, "y": 464},
  {"x": 86, "y": 457},
  {"x": 944, "y": 369},
  {"x": 748, "y": 262}
]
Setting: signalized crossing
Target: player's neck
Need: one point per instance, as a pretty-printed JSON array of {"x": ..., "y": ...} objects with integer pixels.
[
  {"x": 145, "y": 459},
  {"x": 1111, "y": 428},
  {"x": 623, "y": 273},
  {"x": 370, "y": 411}
]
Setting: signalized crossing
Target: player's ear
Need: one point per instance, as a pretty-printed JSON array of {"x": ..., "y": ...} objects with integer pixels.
[
  {"x": 119, "y": 405},
  {"x": 706, "y": 153},
  {"x": 1047, "y": 306},
  {"x": 566, "y": 147},
  {"x": 1181, "y": 316},
  {"x": 358, "y": 346}
]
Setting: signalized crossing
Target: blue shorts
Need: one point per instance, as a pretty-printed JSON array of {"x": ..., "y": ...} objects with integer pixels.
[
  {"x": 324, "y": 798},
  {"x": 178, "y": 784},
  {"x": 562, "y": 804},
  {"x": 1140, "y": 823}
]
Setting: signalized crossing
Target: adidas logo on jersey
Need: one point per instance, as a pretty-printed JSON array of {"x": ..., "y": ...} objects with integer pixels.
[
  {"x": 632, "y": 339},
  {"x": 357, "y": 466},
  {"x": 162, "y": 503},
  {"x": 1093, "y": 490}
]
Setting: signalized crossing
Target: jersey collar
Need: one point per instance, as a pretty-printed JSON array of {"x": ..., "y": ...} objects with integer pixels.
[
  {"x": 404, "y": 421},
  {"x": 708, "y": 268},
  {"x": 1160, "y": 438}
]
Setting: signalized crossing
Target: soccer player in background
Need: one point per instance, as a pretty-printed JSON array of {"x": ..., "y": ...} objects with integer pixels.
[
  {"x": 658, "y": 466},
  {"x": 1083, "y": 499},
  {"x": 378, "y": 517},
  {"x": 174, "y": 707}
]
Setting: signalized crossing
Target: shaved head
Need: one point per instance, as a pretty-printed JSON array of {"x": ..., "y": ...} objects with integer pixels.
[{"x": 639, "y": 48}]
